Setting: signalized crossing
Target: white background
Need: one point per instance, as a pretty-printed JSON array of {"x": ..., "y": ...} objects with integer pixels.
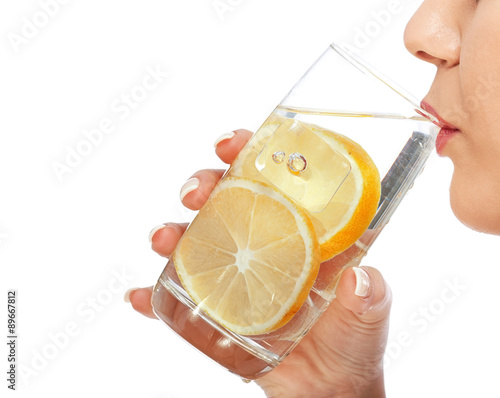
[{"x": 63, "y": 241}]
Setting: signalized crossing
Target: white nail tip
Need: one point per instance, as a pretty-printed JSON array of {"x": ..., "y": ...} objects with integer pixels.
[
  {"x": 223, "y": 137},
  {"x": 155, "y": 230},
  {"x": 126, "y": 296},
  {"x": 362, "y": 282},
  {"x": 189, "y": 186}
]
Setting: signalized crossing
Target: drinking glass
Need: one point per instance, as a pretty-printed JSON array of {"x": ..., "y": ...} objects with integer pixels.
[{"x": 341, "y": 126}]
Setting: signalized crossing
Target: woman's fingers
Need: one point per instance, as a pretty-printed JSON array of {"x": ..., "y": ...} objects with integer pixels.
[
  {"x": 227, "y": 146},
  {"x": 165, "y": 237},
  {"x": 196, "y": 190},
  {"x": 194, "y": 193},
  {"x": 141, "y": 300},
  {"x": 364, "y": 292}
]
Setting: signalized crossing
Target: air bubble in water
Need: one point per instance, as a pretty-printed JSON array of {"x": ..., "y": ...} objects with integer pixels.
[
  {"x": 297, "y": 162},
  {"x": 278, "y": 157}
]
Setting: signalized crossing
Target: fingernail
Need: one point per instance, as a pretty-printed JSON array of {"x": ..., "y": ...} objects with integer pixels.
[
  {"x": 155, "y": 230},
  {"x": 362, "y": 282},
  {"x": 226, "y": 136},
  {"x": 190, "y": 185},
  {"x": 126, "y": 296}
]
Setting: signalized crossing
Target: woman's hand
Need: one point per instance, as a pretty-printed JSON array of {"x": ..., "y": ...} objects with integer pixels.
[{"x": 342, "y": 355}]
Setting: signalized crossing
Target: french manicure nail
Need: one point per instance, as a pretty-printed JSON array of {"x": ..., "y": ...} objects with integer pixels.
[
  {"x": 226, "y": 136},
  {"x": 126, "y": 296},
  {"x": 155, "y": 230},
  {"x": 362, "y": 282},
  {"x": 189, "y": 186}
]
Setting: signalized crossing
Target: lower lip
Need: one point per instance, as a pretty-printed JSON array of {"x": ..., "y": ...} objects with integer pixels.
[{"x": 442, "y": 138}]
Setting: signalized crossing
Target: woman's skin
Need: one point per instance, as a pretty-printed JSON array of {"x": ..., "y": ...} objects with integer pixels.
[
  {"x": 342, "y": 355},
  {"x": 462, "y": 38}
]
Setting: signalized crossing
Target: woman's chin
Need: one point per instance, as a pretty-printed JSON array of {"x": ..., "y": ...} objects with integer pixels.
[{"x": 476, "y": 205}]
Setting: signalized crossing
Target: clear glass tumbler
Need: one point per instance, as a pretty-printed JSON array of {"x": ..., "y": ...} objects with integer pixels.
[{"x": 304, "y": 200}]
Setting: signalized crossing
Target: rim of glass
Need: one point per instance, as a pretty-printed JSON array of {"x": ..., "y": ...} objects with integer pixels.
[{"x": 368, "y": 69}]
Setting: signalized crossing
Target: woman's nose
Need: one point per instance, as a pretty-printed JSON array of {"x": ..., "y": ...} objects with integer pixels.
[{"x": 433, "y": 33}]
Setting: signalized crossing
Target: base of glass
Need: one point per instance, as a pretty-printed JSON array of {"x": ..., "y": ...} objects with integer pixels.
[{"x": 238, "y": 354}]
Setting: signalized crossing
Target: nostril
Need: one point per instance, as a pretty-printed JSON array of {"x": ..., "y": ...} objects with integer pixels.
[{"x": 423, "y": 55}]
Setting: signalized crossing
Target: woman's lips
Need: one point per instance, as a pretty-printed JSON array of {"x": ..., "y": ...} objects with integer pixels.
[
  {"x": 442, "y": 138},
  {"x": 447, "y": 130}
]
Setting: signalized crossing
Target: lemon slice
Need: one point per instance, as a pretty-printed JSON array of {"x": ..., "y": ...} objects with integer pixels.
[
  {"x": 250, "y": 257},
  {"x": 355, "y": 203},
  {"x": 349, "y": 213}
]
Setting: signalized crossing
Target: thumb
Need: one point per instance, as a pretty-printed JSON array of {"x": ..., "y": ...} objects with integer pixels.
[{"x": 364, "y": 292}]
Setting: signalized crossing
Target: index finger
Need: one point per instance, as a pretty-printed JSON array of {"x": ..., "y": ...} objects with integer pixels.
[{"x": 229, "y": 145}]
